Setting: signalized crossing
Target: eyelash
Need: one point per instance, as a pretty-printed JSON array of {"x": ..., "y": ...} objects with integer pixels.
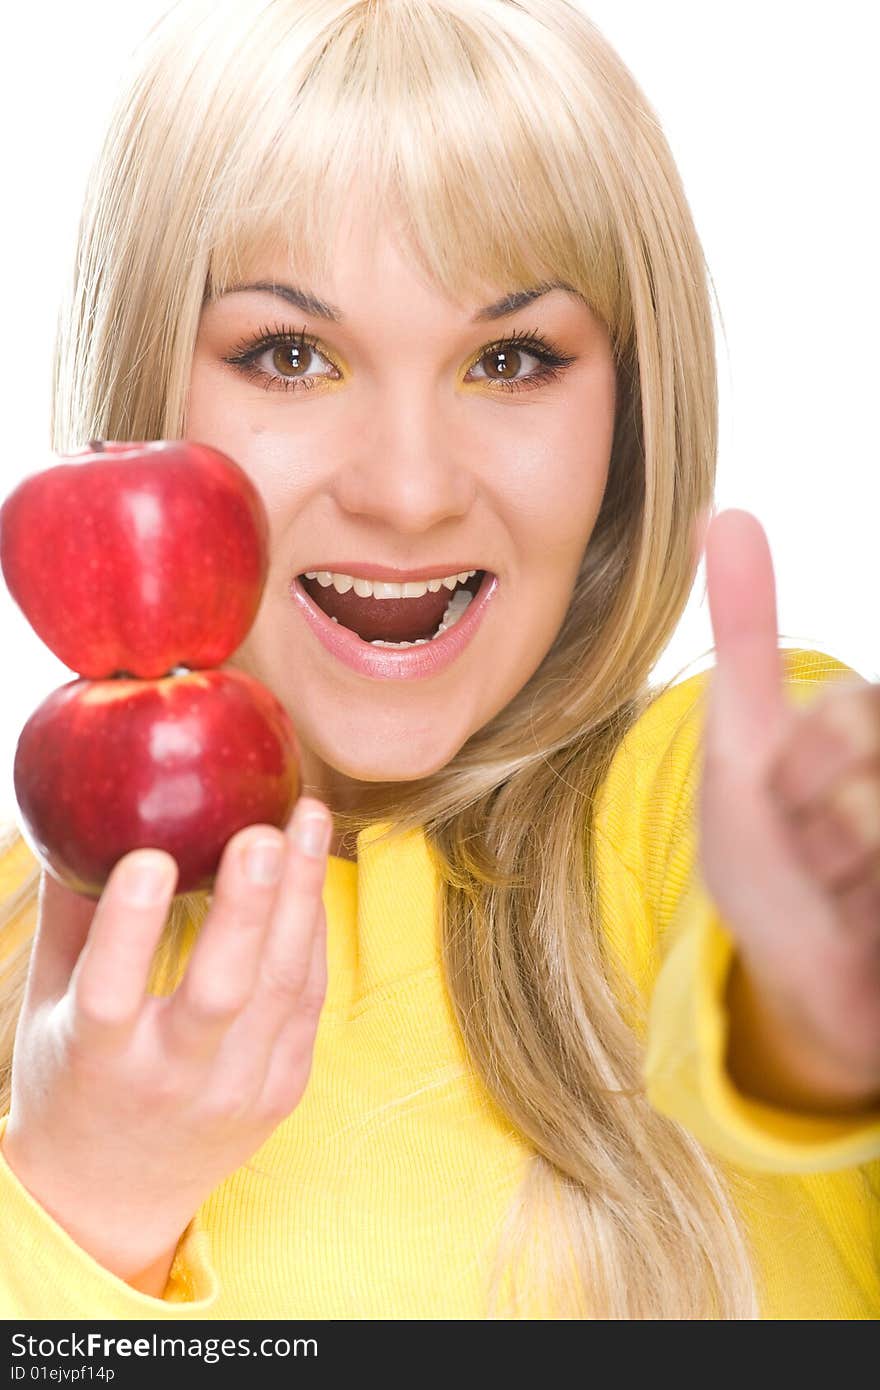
[{"x": 246, "y": 353}]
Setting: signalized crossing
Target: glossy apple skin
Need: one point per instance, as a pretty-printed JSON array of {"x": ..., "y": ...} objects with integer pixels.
[
  {"x": 181, "y": 764},
  {"x": 137, "y": 558}
]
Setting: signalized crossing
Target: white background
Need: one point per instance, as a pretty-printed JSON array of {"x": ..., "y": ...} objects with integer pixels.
[{"x": 771, "y": 110}]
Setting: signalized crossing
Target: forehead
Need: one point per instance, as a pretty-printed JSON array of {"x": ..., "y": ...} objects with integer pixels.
[
  {"x": 372, "y": 272},
  {"x": 365, "y": 255},
  {"x": 363, "y": 263}
]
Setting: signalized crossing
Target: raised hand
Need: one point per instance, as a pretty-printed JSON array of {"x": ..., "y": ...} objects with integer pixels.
[{"x": 789, "y": 830}]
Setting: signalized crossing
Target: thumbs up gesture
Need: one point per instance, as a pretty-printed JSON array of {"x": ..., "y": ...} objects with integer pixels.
[{"x": 789, "y": 836}]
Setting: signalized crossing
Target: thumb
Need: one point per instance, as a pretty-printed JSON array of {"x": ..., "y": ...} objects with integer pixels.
[
  {"x": 63, "y": 923},
  {"x": 747, "y": 708}
]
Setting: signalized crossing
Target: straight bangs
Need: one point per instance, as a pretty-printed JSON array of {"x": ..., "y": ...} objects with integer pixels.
[{"x": 452, "y": 121}]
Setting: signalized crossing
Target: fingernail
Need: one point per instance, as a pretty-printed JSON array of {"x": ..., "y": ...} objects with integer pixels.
[
  {"x": 262, "y": 862},
  {"x": 145, "y": 880},
  {"x": 311, "y": 834}
]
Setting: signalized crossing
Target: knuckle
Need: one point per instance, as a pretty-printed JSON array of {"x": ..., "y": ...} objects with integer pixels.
[
  {"x": 858, "y": 896},
  {"x": 856, "y": 803},
  {"x": 215, "y": 1005},
  {"x": 311, "y": 1002},
  {"x": 783, "y": 777},
  {"x": 817, "y": 760},
  {"x": 286, "y": 1083},
  {"x": 97, "y": 1008},
  {"x": 80, "y": 1053},
  {"x": 230, "y": 911},
  {"x": 228, "y": 1107},
  {"x": 165, "y": 1088},
  {"x": 276, "y": 1107},
  {"x": 282, "y": 979}
]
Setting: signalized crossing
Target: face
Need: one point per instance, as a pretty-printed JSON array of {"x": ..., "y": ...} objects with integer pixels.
[{"x": 404, "y": 434}]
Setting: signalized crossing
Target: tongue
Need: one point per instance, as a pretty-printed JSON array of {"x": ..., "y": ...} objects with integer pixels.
[{"x": 392, "y": 619}]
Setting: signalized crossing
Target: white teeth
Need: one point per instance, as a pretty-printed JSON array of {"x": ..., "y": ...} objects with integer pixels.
[
  {"x": 379, "y": 588},
  {"x": 419, "y": 642}
]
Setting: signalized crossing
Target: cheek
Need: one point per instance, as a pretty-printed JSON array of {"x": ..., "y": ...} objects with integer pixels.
[
  {"x": 556, "y": 476},
  {"x": 214, "y": 414},
  {"x": 252, "y": 430},
  {"x": 556, "y": 497},
  {"x": 218, "y": 416}
]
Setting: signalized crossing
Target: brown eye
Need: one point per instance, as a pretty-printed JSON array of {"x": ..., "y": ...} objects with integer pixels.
[
  {"x": 292, "y": 358},
  {"x": 281, "y": 359},
  {"x": 502, "y": 363}
]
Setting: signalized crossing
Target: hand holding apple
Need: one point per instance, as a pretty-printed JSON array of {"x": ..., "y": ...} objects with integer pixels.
[
  {"x": 131, "y": 567},
  {"x": 133, "y": 562},
  {"x": 128, "y": 1107}
]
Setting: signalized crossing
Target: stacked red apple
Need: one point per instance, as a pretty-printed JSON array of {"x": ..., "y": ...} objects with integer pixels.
[{"x": 141, "y": 566}]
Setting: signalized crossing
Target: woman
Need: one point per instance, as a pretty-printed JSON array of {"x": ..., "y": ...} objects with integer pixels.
[{"x": 427, "y": 272}]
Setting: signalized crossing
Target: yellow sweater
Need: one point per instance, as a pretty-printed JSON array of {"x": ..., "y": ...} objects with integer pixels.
[{"x": 381, "y": 1196}]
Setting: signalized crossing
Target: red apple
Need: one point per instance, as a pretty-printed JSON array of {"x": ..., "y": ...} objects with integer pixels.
[
  {"x": 181, "y": 764},
  {"x": 137, "y": 558}
]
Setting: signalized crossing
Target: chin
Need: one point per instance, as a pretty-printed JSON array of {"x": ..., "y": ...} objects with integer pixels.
[
  {"x": 381, "y": 762},
  {"x": 369, "y": 739},
  {"x": 383, "y": 768}
]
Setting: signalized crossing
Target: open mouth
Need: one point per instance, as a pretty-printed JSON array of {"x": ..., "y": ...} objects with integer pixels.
[{"x": 397, "y": 620}]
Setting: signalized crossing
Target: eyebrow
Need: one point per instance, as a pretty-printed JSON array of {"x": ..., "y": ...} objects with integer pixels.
[{"x": 318, "y": 308}]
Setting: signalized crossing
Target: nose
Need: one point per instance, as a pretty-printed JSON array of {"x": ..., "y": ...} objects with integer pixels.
[{"x": 406, "y": 466}]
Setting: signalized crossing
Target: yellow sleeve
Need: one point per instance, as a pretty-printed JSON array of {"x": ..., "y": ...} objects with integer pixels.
[
  {"x": 43, "y": 1272},
  {"x": 665, "y": 934}
]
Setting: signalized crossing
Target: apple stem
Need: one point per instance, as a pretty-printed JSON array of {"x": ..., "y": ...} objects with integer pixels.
[{"x": 96, "y": 444}]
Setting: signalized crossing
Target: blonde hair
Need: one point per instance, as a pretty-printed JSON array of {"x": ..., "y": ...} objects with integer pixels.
[{"x": 515, "y": 147}]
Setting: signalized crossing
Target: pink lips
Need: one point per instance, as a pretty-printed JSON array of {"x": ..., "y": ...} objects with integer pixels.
[{"x": 384, "y": 663}]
